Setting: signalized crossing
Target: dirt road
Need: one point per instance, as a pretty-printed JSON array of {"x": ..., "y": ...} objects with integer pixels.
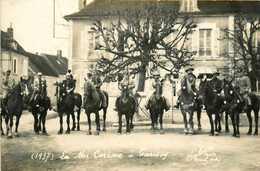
[{"x": 140, "y": 150}]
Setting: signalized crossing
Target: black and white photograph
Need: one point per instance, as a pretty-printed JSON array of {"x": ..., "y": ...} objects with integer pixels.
[{"x": 130, "y": 85}]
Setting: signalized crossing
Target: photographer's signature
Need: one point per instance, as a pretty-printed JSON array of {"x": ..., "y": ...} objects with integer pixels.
[{"x": 204, "y": 155}]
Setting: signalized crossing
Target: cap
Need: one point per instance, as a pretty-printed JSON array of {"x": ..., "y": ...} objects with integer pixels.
[
  {"x": 189, "y": 69},
  {"x": 39, "y": 74}
]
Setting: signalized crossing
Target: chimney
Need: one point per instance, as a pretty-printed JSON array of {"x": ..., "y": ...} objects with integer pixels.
[
  {"x": 59, "y": 53},
  {"x": 83, "y": 3},
  {"x": 10, "y": 31}
]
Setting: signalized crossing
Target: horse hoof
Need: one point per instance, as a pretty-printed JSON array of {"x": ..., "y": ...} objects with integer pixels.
[
  {"x": 104, "y": 129},
  {"x": 67, "y": 132},
  {"x": 199, "y": 128},
  {"x": 227, "y": 131},
  {"x": 233, "y": 135},
  {"x": 78, "y": 129},
  {"x": 89, "y": 133},
  {"x": 97, "y": 133},
  {"x": 249, "y": 133},
  {"x": 60, "y": 132},
  {"x": 73, "y": 129},
  {"x": 2, "y": 133},
  {"x": 161, "y": 132},
  {"x": 119, "y": 133},
  {"x": 44, "y": 133},
  {"x": 156, "y": 128},
  {"x": 37, "y": 133},
  {"x": 17, "y": 135},
  {"x": 256, "y": 133},
  {"x": 127, "y": 133},
  {"x": 153, "y": 132},
  {"x": 185, "y": 131},
  {"x": 9, "y": 137},
  {"x": 216, "y": 133},
  {"x": 211, "y": 134},
  {"x": 238, "y": 136}
]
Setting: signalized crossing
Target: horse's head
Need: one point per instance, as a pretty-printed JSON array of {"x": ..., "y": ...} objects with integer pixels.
[
  {"x": 22, "y": 87},
  {"x": 228, "y": 88},
  {"x": 88, "y": 88},
  {"x": 158, "y": 91},
  {"x": 60, "y": 91},
  {"x": 203, "y": 87}
]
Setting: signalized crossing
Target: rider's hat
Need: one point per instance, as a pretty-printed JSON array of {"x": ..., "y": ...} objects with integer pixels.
[
  {"x": 39, "y": 74},
  {"x": 189, "y": 69},
  {"x": 69, "y": 72},
  {"x": 8, "y": 70}
]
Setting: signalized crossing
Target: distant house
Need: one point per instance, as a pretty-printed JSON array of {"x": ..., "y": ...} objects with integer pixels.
[
  {"x": 26, "y": 64},
  {"x": 12, "y": 57}
]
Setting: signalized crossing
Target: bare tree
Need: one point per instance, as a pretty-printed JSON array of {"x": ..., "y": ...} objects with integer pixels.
[
  {"x": 246, "y": 51},
  {"x": 144, "y": 39}
]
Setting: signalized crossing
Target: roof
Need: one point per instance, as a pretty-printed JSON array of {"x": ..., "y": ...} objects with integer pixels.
[
  {"x": 110, "y": 8},
  {"x": 40, "y": 65},
  {"x": 6, "y": 43},
  {"x": 60, "y": 64}
]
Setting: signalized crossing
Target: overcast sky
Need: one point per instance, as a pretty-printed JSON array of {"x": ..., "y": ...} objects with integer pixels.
[{"x": 32, "y": 21}]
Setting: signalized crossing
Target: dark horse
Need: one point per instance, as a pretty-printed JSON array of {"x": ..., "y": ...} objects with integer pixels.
[
  {"x": 156, "y": 106},
  {"x": 40, "y": 105},
  {"x": 125, "y": 107},
  {"x": 65, "y": 105},
  {"x": 234, "y": 107},
  {"x": 14, "y": 108},
  {"x": 213, "y": 104},
  {"x": 94, "y": 105},
  {"x": 188, "y": 105}
]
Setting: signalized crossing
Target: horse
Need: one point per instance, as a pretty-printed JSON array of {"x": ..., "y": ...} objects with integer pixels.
[
  {"x": 14, "y": 108},
  {"x": 66, "y": 104},
  {"x": 213, "y": 104},
  {"x": 93, "y": 104},
  {"x": 234, "y": 106},
  {"x": 125, "y": 107},
  {"x": 156, "y": 106},
  {"x": 188, "y": 105},
  {"x": 40, "y": 105}
]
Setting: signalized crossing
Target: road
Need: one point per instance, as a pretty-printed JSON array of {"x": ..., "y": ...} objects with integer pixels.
[{"x": 140, "y": 150}]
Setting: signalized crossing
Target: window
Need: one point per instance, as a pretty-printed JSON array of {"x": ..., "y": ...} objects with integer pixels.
[
  {"x": 93, "y": 42},
  {"x": 189, "y": 6},
  {"x": 15, "y": 65},
  {"x": 205, "y": 44}
]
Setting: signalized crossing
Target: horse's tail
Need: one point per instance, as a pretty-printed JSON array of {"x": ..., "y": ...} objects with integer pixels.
[{"x": 106, "y": 96}]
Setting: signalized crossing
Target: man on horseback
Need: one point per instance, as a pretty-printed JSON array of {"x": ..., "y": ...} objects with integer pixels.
[
  {"x": 39, "y": 86},
  {"x": 127, "y": 81},
  {"x": 216, "y": 83},
  {"x": 8, "y": 85},
  {"x": 242, "y": 81},
  {"x": 155, "y": 83},
  {"x": 191, "y": 78},
  {"x": 96, "y": 80}
]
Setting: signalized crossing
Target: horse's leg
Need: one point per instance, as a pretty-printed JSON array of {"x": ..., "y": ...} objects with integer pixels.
[
  {"x": 211, "y": 125},
  {"x": 127, "y": 117},
  {"x": 61, "y": 123},
  {"x": 68, "y": 122},
  {"x": 161, "y": 123},
  {"x": 131, "y": 122},
  {"x": 250, "y": 121},
  {"x": 156, "y": 120},
  {"x": 39, "y": 123},
  {"x": 237, "y": 124},
  {"x": 217, "y": 121},
  {"x": 10, "y": 128},
  {"x": 152, "y": 115},
  {"x": 191, "y": 130},
  {"x": 119, "y": 123},
  {"x": 73, "y": 120},
  {"x": 185, "y": 123},
  {"x": 233, "y": 123},
  {"x": 226, "y": 118},
  {"x": 89, "y": 124},
  {"x": 104, "y": 118},
  {"x": 199, "y": 117},
  {"x": 256, "y": 121},
  {"x": 43, "y": 115},
  {"x": 6, "y": 124},
  {"x": 36, "y": 123},
  {"x": 2, "y": 132},
  {"x": 97, "y": 123},
  {"x": 17, "y": 125},
  {"x": 78, "y": 118}
]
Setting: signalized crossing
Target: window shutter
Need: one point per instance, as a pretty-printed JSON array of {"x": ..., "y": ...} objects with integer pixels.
[
  {"x": 195, "y": 41},
  {"x": 215, "y": 42}
]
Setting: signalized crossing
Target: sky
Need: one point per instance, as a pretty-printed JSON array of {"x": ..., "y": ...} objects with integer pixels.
[{"x": 32, "y": 21}]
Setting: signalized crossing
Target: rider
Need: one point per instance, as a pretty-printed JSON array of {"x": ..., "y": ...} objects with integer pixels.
[
  {"x": 216, "y": 83},
  {"x": 38, "y": 87},
  {"x": 8, "y": 85},
  {"x": 127, "y": 81},
  {"x": 156, "y": 81},
  {"x": 96, "y": 80},
  {"x": 244, "y": 84},
  {"x": 192, "y": 79}
]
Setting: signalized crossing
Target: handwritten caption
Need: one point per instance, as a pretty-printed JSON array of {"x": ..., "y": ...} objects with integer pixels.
[
  {"x": 204, "y": 155},
  {"x": 98, "y": 154}
]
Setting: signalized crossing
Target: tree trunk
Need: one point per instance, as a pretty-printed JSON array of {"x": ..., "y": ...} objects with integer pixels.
[{"x": 141, "y": 81}]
